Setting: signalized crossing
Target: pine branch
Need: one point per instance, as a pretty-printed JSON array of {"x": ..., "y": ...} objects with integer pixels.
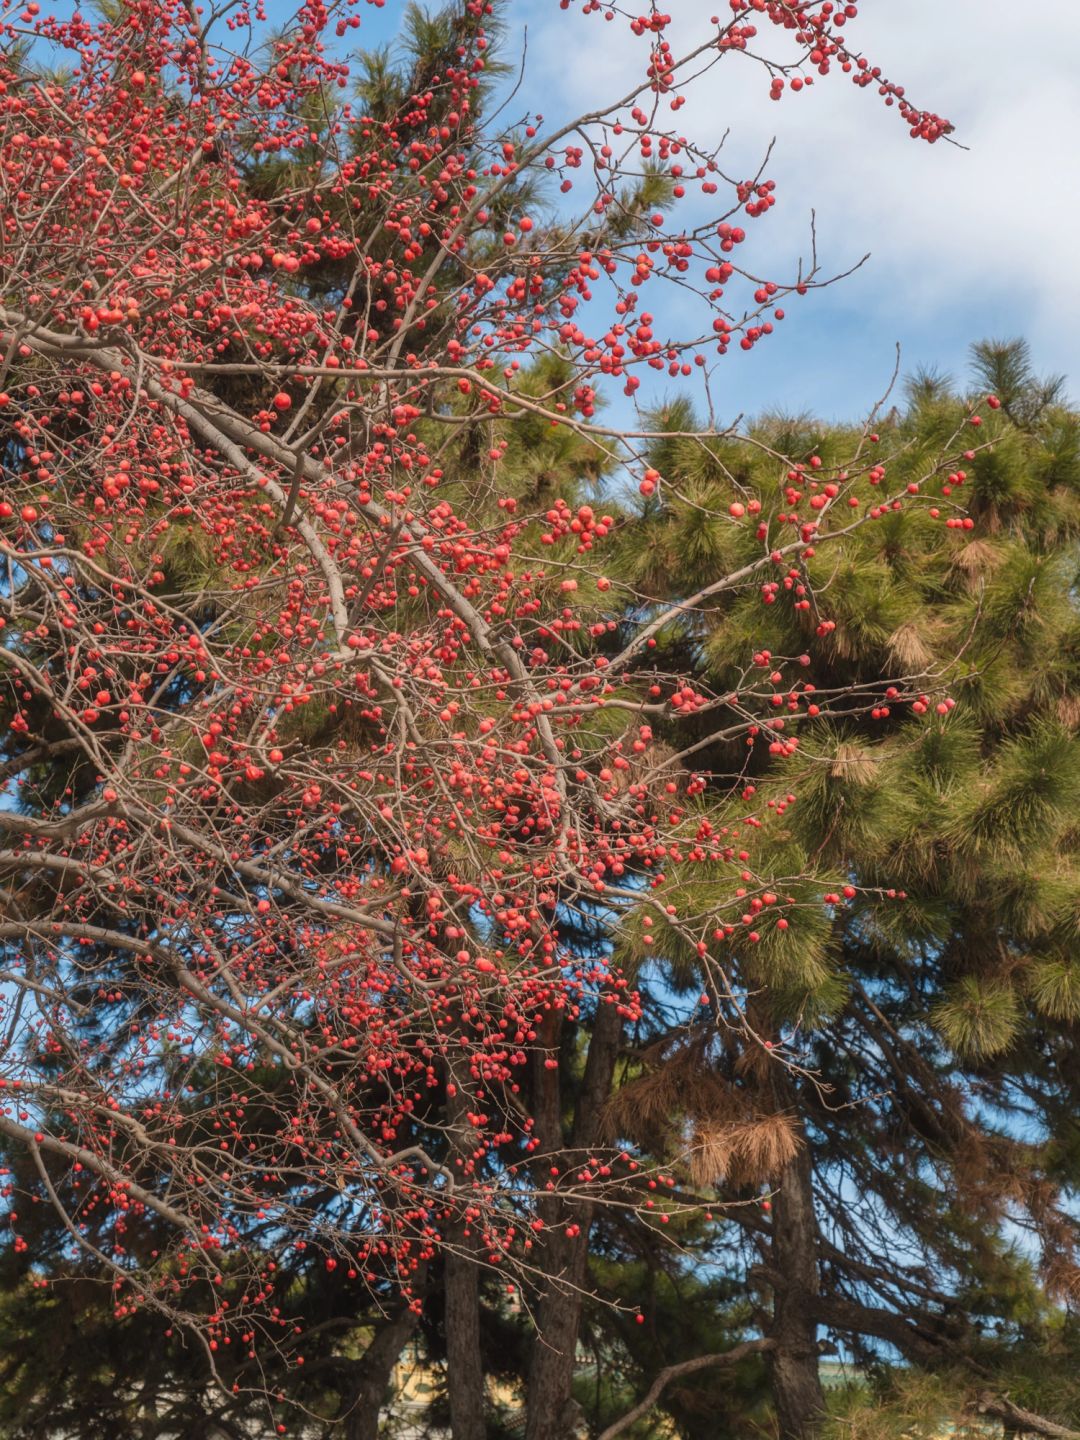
[
  {"x": 1002, "y": 1408},
  {"x": 714, "y": 1361}
]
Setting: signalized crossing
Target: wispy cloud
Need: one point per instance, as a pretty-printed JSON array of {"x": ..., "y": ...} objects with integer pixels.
[{"x": 963, "y": 243}]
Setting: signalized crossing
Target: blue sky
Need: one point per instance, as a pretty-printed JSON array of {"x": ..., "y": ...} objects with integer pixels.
[{"x": 964, "y": 243}]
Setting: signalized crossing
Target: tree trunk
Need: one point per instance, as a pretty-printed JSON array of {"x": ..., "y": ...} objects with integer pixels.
[
  {"x": 796, "y": 1381},
  {"x": 552, "y": 1411},
  {"x": 374, "y": 1372},
  {"x": 464, "y": 1367},
  {"x": 464, "y": 1371}
]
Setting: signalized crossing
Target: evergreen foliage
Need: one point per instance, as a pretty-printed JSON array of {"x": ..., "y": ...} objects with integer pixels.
[{"x": 903, "y": 1189}]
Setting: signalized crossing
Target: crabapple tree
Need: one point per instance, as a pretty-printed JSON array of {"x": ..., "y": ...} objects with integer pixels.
[{"x": 324, "y": 727}]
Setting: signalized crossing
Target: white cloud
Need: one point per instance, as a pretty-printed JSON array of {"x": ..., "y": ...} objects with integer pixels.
[{"x": 964, "y": 242}]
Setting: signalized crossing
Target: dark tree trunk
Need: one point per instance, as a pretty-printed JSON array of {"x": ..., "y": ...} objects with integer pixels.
[
  {"x": 464, "y": 1370},
  {"x": 374, "y": 1372},
  {"x": 464, "y": 1363},
  {"x": 796, "y": 1380},
  {"x": 552, "y": 1412}
]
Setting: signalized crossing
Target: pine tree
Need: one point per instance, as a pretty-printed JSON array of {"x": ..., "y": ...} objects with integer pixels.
[
  {"x": 272, "y": 711},
  {"x": 921, "y": 1196}
]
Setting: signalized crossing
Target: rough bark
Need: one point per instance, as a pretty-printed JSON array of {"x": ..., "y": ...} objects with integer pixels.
[
  {"x": 464, "y": 1368},
  {"x": 464, "y": 1363},
  {"x": 374, "y": 1372},
  {"x": 552, "y": 1412},
  {"x": 793, "y": 1363}
]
